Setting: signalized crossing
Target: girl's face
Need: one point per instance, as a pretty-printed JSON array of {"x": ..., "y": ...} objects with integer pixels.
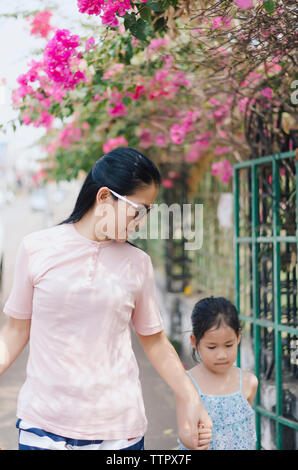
[
  {"x": 115, "y": 218},
  {"x": 218, "y": 348}
]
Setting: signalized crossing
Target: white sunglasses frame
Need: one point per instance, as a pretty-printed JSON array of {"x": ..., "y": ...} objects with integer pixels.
[{"x": 140, "y": 207}]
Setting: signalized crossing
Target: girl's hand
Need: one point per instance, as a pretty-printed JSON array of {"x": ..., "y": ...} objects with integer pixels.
[
  {"x": 191, "y": 415},
  {"x": 205, "y": 436}
]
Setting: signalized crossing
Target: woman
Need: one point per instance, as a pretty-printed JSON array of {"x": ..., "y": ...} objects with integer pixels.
[{"x": 76, "y": 288}]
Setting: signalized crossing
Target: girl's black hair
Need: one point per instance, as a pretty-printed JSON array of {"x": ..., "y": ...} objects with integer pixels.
[
  {"x": 213, "y": 311},
  {"x": 124, "y": 170}
]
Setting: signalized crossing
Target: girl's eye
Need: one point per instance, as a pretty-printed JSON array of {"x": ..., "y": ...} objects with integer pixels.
[
  {"x": 211, "y": 347},
  {"x": 229, "y": 345}
]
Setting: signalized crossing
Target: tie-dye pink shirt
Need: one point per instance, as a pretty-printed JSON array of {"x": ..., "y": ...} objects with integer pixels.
[{"x": 81, "y": 295}]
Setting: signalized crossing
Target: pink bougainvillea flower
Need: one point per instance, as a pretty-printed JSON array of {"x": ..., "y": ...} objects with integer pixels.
[
  {"x": 273, "y": 68},
  {"x": 109, "y": 17},
  {"x": 145, "y": 138},
  {"x": 267, "y": 92},
  {"x": 139, "y": 91},
  {"x": 40, "y": 25},
  {"x": 157, "y": 43},
  {"x": 177, "y": 134},
  {"x": 121, "y": 29},
  {"x": 214, "y": 102},
  {"x": 89, "y": 43},
  {"x": 203, "y": 137},
  {"x": 113, "y": 143},
  {"x": 71, "y": 133},
  {"x": 168, "y": 61},
  {"x": 91, "y": 7},
  {"x": 135, "y": 42},
  {"x": 85, "y": 126},
  {"x": 50, "y": 149},
  {"x": 117, "y": 109},
  {"x": 161, "y": 74},
  {"x": 112, "y": 71},
  {"x": 220, "y": 22},
  {"x": 242, "y": 104},
  {"x": 173, "y": 174},
  {"x": 244, "y": 4},
  {"x": 106, "y": 9},
  {"x": 161, "y": 140},
  {"x": 57, "y": 59},
  {"x": 222, "y": 170},
  {"x": 194, "y": 153},
  {"x": 220, "y": 150},
  {"x": 180, "y": 79},
  {"x": 167, "y": 183}
]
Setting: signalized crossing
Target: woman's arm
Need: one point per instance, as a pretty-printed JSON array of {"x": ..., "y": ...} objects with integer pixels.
[
  {"x": 13, "y": 338},
  {"x": 190, "y": 410}
]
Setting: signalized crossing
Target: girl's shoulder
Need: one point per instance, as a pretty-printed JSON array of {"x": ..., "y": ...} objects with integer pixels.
[
  {"x": 249, "y": 379},
  {"x": 249, "y": 385}
]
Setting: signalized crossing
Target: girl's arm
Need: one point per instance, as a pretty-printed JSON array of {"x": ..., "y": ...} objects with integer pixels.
[
  {"x": 251, "y": 385},
  {"x": 190, "y": 410},
  {"x": 13, "y": 338}
]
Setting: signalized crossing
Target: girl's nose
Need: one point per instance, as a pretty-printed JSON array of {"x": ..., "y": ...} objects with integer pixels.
[{"x": 221, "y": 355}]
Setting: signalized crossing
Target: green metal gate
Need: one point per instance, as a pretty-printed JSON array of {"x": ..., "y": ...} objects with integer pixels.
[{"x": 265, "y": 249}]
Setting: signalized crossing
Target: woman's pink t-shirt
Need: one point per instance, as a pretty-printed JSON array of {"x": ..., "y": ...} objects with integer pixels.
[{"x": 81, "y": 295}]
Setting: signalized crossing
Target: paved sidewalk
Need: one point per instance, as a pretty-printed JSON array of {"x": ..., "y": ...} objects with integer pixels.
[{"x": 159, "y": 400}]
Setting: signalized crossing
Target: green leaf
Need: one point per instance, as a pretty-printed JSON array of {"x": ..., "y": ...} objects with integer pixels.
[
  {"x": 128, "y": 53},
  {"x": 139, "y": 29},
  {"x": 155, "y": 6},
  {"x": 269, "y": 6},
  {"x": 160, "y": 24},
  {"x": 129, "y": 20},
  {"x": 126, "y": 100},
  {"x": 145, "y": 13}
]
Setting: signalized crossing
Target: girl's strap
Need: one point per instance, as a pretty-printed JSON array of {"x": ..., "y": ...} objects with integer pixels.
[
  {"x": 195, "y": 383},
  {"x": 240, "y": 380}
]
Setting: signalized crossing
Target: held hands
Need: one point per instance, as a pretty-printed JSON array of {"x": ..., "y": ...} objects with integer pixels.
[
  {"x": 205, "y": 435},
  {"x": 194, "y": 424}
]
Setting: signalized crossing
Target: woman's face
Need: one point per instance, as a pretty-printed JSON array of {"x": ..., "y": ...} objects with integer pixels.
[{"x": 115, "y": 218}]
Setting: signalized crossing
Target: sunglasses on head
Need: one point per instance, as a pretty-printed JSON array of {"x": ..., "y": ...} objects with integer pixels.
[{"x": 141, "y": 209}]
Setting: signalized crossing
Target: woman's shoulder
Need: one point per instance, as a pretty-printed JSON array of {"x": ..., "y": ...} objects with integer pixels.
[
  {"x": 133, "y": 248},
  {"x": 40, "y": 238},
  {"x": 136, "y": 253}
]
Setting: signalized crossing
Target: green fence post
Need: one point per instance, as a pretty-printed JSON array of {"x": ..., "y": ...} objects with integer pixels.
[
  {"x": 236, "y": 248},
  {"x": 256, "y": 287},
  {"x": 277, "y": 303}
]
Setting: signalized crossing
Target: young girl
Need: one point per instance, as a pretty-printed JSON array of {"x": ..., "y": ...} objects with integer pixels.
[
  {"x": 77, "y": 287},
  {"x": 226, "y": 391}
]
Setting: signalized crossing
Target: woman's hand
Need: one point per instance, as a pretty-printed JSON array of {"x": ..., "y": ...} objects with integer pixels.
[
  {"x": 13, "y": 338},
  {"x": 194, "y": 423},
  {"x": 189, "y": 408}
]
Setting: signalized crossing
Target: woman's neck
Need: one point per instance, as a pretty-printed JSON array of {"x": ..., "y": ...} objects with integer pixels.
[{"x": 86, "y": 227}]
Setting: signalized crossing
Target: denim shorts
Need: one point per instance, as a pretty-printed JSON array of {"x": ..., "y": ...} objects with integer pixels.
[{"x": 32, "y": 438}]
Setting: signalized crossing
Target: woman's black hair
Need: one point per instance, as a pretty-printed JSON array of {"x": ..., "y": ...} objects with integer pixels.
[
  {"x": 210, "y": 312},
  {"x": 124, "y": 170}
]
